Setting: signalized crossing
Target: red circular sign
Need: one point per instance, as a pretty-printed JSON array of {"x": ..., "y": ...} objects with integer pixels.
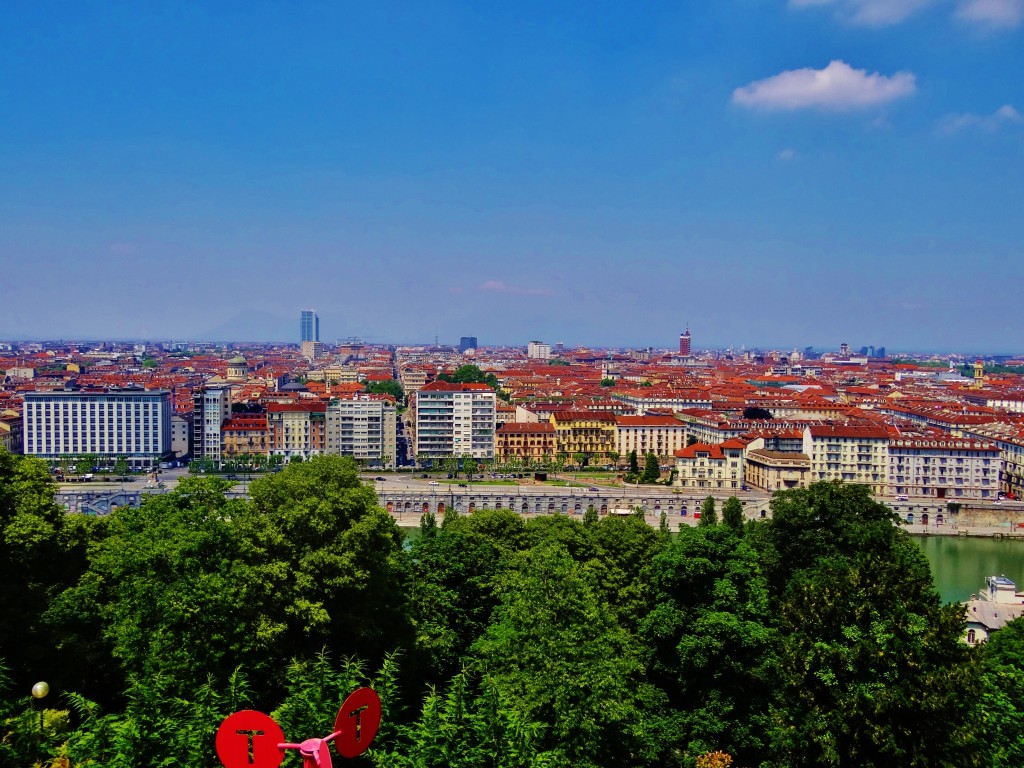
[
  {"x": 249, "y": 739},
  {"x": 357, "y": 722}
]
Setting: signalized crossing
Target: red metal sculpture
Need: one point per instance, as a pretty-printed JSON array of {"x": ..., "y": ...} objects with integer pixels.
[{"x": 251, "y": 739}]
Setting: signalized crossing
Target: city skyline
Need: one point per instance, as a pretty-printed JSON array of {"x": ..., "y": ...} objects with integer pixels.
[{"x": 778, "y": 174}]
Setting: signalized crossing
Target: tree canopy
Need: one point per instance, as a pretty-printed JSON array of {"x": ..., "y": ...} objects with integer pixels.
[{"x": 814, "y": 638}]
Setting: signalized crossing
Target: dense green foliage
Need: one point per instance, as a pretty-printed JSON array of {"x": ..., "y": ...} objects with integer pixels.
[{"x": 815, "y": 638}]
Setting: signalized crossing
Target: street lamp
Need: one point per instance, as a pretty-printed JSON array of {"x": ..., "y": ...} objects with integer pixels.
[{"x": 39, "y": 691}]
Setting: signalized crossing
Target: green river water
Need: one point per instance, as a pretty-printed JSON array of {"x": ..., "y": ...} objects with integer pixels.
[{"x": 960, "y": 563}]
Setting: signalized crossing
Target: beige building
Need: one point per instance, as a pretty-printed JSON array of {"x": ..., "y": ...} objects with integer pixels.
[
  {"x": 660, "y": 435},
  {"x": 776, "y": 470},
  {"x": 455, "y": 420},
  {"x": 296, "y": 429},
  {"x": 704, "y": 467},
  {"x": 851, "y": 454}
]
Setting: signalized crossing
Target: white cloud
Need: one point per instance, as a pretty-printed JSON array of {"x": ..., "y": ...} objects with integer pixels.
[
  {"x": 1003, "y": 117},
  {"x": 499, "y": 286},
  {"x": 837, "y": 88},
  {"x": 787, "y": 154},
  {"x": 994, "y": 13},
  {"x": 874, "y": 13}
]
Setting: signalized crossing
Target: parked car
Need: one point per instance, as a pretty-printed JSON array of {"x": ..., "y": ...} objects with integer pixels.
[
  {"x": 463, "y": 485},
  {"x": 592, "y": 489},
  {"x": 902, "y": 497},
  {"x": 380, "y": 477},
  {"x": 433, "y": 482}
]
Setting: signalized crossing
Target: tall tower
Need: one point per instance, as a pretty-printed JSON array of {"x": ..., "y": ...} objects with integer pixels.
[
  {"x": 684, "y": 342},
  {"x": 979, "y": 374},
  {"x": 309, "y": 326}
]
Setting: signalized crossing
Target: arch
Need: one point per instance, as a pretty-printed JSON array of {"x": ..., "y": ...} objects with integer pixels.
[
  {"x": 526, "y": 508},
  {"x": 910, "y": 518},
  {"x": 391, "y": 507},
  {"x": 604, "y": 509},
  {"x": 426, "y": 507},
  {"x": 440, "y": 508},
  {"x": 408, "y": 506},
  {"x": 472, "y": 507},
  {"x": 565, "y": 507},
  {"x": 924, "y": 518},
  {"x": 536, "y": 507},
  {"x": 972, "y": 637},
  {"x": 939, "y": 519}
]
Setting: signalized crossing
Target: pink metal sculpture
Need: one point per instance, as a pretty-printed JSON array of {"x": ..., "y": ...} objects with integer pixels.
[{"x": 251, "y": 739}]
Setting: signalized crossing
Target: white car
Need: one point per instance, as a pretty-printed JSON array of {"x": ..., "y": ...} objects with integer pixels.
[
  {"x": 902, "y": 497},
  {"x": 433, "y": 482}
]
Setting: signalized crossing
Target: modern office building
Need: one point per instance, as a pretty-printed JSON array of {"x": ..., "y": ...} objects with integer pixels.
[
  {"x": 309, "y": 326},
  {"x": 133, "y": 423},
  {"x": 211, "y": 407},
  {"x": 363, "y": 426},
  {"x": 455, "y": 420},
  {"x": 467, "y": 343}
]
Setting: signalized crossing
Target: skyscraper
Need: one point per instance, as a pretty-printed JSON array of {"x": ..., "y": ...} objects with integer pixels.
[
  {"x": 309, "y": 326},
  {"x": 466, "y": 343}
]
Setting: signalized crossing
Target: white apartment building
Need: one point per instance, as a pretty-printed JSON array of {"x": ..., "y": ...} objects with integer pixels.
[
  {"x": 943, "y": 468},
  {"x": 455, "y": 420},
  {"x": 852, "y": 454},
  {"x": 538, "y": 350},
  {"x": 363, "y": 427},
  {"x": 211, "y": 407},
  {"x": 660, "y": 435},
  {"x": 132, "y": 423}
]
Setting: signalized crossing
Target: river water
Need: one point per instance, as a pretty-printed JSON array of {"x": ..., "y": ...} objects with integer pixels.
[{"x": 961, "y": 563}]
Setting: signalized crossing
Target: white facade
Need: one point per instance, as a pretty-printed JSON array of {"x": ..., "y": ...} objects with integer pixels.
[
  {"x": 363, "y": 428},
  {"x": 135, "y": 424},
  {"x": 660, "y": 435},
  {"x": 943, "y": 468},
  {"x": 538, "y": 350},
  {"x": 211, "y": 407},
  {"x": 455, "y": 420}
]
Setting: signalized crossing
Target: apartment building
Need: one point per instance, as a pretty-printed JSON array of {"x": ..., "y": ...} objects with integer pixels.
[
  {"x": 943, "y": 468},
  {"x": 296, "y": 429},
  {"x": 524, "y": 442},
  {"x": 852, "y": 454},
  {"x": 244, "y": 435},
  {"x": 1009, "y": 439},
  {"x": 211, "y": 407},
  {"x": 705, "y": 467},
  {"x": 538, "y": 350},
  {"x": 363, "y": 426},
  {"x": 584, "y": 432},
  {"x": 772, "y": 470},
  {"x": 455, "y": 420},
  {"x": 132, "y": 423},
  {"x": 660, "y": 435}
]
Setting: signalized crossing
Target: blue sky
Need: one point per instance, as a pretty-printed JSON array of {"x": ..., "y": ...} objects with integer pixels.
[{"x": 772, "y": 173}]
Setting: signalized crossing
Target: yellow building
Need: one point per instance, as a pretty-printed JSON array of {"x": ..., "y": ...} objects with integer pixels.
[{"x": 584, "y": 432}]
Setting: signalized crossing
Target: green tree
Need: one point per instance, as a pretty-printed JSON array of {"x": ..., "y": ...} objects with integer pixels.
[
  {"x": 732, "y": 513},
  {"x": 121, "y": 468},
  {"x": 1001, "y": 709},
  {"x": 558, "y": 658},
  {"x": 42, "y": 552},
  {"x": 634, "y": 463},
  {"x": 867, "y": 650},
  {"x": 757, "y": 414},
  {"x": 387, "y": 387},
  {"x": 590, "y": 517},
  {"x": 652, "y": 470},
  {"x": 607, "y": 382},
  {"x": 614, "y": 456},
  {"x": 711, "y": 644},
  {"x": 708, "y": 516}
]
